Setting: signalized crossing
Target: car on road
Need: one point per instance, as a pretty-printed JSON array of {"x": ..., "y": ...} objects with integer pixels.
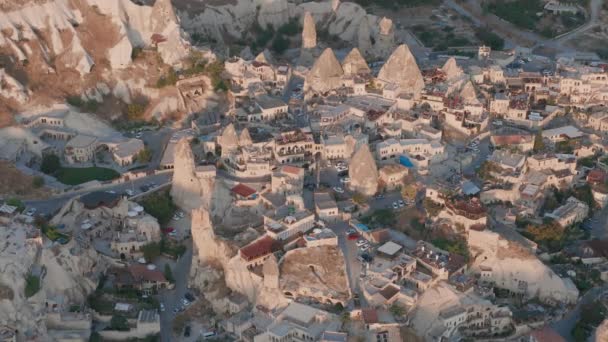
[
  {"x": 361, "y": 242},
  {"x": 395, "y": 205},
  {"x": 338, "y": 189},
  {"x": 168, "y": 230},
  {"x": 379, "y": 196},
  {"x": 175, "y": 310},
  {"x": 188, "y": 296},
  {"x": 353, "y": 236},
  {"x": 129, "y": 192},
  {"x": 162, "y": 307},
  {"x": 401, "y": 204},
  {"x": 30, "y": 212},
  {"x": 345, "y": 180}
]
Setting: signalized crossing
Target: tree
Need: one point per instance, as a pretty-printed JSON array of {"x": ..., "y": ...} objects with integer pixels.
[
  {"x": 539, "y": 144},
  {"x": 95, "y": 337},
  {"x": 37, "y": 182},
  {"x": 169, "y": 273},
  {"x": 120, "y": 323},
  {"x": 15, "y": 202},
  {"x": 32, "y": 285},
  {"x": 50, "y": 164},
  {"x": 144, "y": 155},
  {"x": 135, "y": 111},
  {"x": 151, "y": 251},
  {"x": 397, "y": 310},
  {"x": 280, "y": 44},
  {"x": 160, "y": 206},
  {"x": 359, "y": 198}
]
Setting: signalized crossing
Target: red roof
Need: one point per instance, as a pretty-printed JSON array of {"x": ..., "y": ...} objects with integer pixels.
[
  {"x": 546, "y": 334},
  {"x": 259, "y": 248},
  {"x": 243, "y": 190},
  {"x": 142, "y": 273},
  {"x": 292, "y": 169},
  {"x": 596, "y": 176},
  {"x": 369, "y": 316}
]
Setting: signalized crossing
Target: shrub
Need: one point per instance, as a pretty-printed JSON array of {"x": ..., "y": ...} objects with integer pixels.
[
  {"x": 136, "y": 52},
  {"x": 50, "y": 164},
  {"x": 135, "y": 111},
  {"x": 160, "y": 205},
  {"x": 280, "y": 44},
  {"x": 38, "y": 182},
  {"x": 120, "y": 323},
  {"x": 32, "y": 285},
  {"x": 144, "y": 155},
  {"x": 16, "y": 203},
  {"x": 169, "y": 273}
]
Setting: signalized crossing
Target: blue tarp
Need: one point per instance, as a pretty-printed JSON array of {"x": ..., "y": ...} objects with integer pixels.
[{"x": 405, "y": 161}]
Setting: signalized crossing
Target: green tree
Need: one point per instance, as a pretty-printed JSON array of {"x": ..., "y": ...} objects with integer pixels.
[
  {"x": 38, "y": 182},
  {"x": 160, "y": 205},
  {"x": 32, "y": 285},
  {"x": 95, "y": 337},
  {"x": 15, "y": 202},
  {"x": 169, "y": 273},
  {"x": 120, "y": 323},
  {"x": 151, "y": 251},
  {"x": 397, "y": 310},
  {"x": 539, "y": 144},
  {"x": 50, "y": 164},
  {"x": 280, "y": 44},
  {"x": 144, "y": 155}
]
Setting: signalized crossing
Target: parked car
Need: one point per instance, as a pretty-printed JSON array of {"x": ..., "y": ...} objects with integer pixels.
[
  {"x": 187, "y": 331},
  {"x": 189, "y": 296},
  {"x": 353, "y": 236},
  {"x": 30, "y": 212},
  {"x": 395, "y": 205},
  {"x": 401, "y": 204},
  {"x": 162, "y": 307},
  {"x": 361, "y": 242},
  {"x": 345, "y": 180},
  {"x": 338, "y": 189}
]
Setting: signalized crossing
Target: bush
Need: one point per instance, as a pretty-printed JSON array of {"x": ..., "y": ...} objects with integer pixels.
[
  {"x": 32, "y": 285},
  {"x": 135, "y": 111},
  {"x": 120, "y": 323},
  {"x": 136, "y": 52},
  {"x": 167, "y": 80},
  {"x": 151, "y": 251},
  {"x": 38, "y": 182},
  {"x": 144, "y": 156},
  {"x": 490, "y": 38},
  {"x": 50, "y": 164},
  {"x": 291, "y": 28},
  {"x": 16, "y": 203}
]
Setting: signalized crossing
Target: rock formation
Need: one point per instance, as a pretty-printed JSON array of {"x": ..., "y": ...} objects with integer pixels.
[
  {"x": 245, "y": 138},
  {"x": 451, "y": 69},
  {"x": 335, "y": 4},
  {"x": 325, "y": 74},
  {"x": 601, "y": 333},
  {"x": 10, "y": 88},
  {"x": 363, "y": 172},
  {"x": 189, "y": 189},
  {"x": 265, "y": 57},
  {"x": 271, "y": 273},
  {"x": 229, "y": 140},
  {"x": 309, "y": 32},
  {"x": 468, "y": 93},
  {"x": 354, "y": 64},
  {"x": 401, "y": 68},
  {"x": 364, "y": 37},
  {"x": 385, "y": 42}
]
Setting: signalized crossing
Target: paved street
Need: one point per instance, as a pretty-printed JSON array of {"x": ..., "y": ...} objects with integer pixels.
[
  {"x": 566, "y": 324},
  {"x": 53, "y": 204}
]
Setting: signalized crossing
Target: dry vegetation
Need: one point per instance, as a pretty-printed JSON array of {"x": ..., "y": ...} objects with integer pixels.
[{"x": 14, "y": 183}]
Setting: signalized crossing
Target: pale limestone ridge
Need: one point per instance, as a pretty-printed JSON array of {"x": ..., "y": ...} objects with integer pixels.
[
  {"x": 401, "y": 68},
  {"x": 363, "y": 172},
  {"x": 354, "y": 63},
  {"x": 309, "y": 32},
  {"x": 325, "y": 74},
  {"x": 451, "y": 69}
]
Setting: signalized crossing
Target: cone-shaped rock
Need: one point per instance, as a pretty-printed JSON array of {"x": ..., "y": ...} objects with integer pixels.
[
  {"x": 451, "y": 69},
  {"x": 228, "y": 140},
  {"x": 265, "y": 57},
  {"x": 363, "y": 172},
  {"x": 185, "y": 187},
  {"x": 468, "y": 93},
  {"x": 401, "y": 68},
  {"x": 326, "y": 73},
  {"x": 245, "y": 138},
  {"x": 355, "y": 64},
  {"x": 309, "y": 32}
]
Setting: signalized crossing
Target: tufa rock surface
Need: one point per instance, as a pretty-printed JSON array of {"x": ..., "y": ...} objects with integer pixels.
[
  {"x": 451, "y": 69},
  {"x": 401, "y": 69},
  {"x": 309, "y": 32},
  {"x": 326, "y": 73},
  {"x": 363, "y": 172},
  {"x": 354, "y": 64}
]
